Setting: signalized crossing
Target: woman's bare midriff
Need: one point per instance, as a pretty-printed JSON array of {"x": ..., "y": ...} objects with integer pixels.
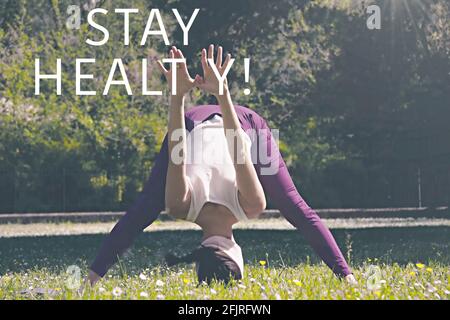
[{"x": 216, "y": 218}]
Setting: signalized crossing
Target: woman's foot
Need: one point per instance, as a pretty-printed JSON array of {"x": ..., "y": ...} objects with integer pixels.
[{"x": 92, "y": 278}]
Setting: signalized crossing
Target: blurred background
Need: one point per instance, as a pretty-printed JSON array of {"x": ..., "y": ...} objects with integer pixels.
[{"x": 363, "y": 114}]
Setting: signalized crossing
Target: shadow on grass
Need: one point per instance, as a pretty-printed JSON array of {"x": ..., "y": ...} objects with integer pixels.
[{"x": 388, "y": 245}]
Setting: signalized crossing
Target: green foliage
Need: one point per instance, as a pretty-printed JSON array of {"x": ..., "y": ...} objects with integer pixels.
[{"x": 356, "y": 108}]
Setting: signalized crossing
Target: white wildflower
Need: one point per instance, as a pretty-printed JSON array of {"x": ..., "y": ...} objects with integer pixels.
[
  {"x": 142, "y": 276},
  {"x": 117, "y": 292},
  {"x": 159, "y": 283}
]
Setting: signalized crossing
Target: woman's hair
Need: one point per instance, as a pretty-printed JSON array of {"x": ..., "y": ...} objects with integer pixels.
[{"x": 212, "y": 264}]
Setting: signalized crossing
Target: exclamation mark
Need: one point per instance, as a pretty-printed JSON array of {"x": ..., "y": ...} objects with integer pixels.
[{"x": 247, "y": 75}]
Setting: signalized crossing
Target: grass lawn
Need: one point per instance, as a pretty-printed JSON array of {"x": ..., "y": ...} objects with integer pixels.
[{"x": 413, "y": 264}]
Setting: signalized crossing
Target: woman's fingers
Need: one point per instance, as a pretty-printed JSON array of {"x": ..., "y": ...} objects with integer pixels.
[
  {"x": 211, "y": 52},
  {"x": 180, "y": 54},
  {"x": 227, "y": 61},
  {"x": 177, "y": 53},
  {"x": 219, "y": 57},
  {"x": 162, "y": 68},
  {"x": 204, "y": 61}
]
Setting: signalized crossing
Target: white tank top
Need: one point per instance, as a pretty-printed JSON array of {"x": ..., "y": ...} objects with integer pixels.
[{"x": 210, "y": 171}]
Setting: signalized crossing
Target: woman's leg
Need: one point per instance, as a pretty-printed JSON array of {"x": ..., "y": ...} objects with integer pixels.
[
  {"x": 145, "y": 210},
  {"x": 279, "y": 187},
  {"x": 142, "y": 213}
]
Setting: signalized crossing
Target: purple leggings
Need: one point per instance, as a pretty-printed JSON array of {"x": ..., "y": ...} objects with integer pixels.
[{"x": 278, "y": 187}]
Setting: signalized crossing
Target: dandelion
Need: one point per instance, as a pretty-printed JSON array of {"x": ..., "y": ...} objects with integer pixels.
[
  {"x": 412, "y": 274},
  {"x": 420, "y": 265},
  {"x": 117, "y": 292},
  {"x": 144, "y": 294},
  {"x": 262, "y": 263},
  {"x": 186, "y": 281},
  {"x": 142, "y": 276},
  {"x": 159, "y": 283},
  {"x": 430, "y": 270}
]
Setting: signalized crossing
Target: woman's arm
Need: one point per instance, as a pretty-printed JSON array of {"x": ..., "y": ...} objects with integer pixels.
[
  {"x": 251, "y": 193},
  {"x": 177, "y": 198}
]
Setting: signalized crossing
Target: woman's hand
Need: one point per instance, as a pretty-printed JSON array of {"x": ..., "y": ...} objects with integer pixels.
[
  {"x": 184, "y": 82},
  {"x": 89, "y": 282},
  {"x": 351, "y": 280},
  {"x": 209, "y": 81}
]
